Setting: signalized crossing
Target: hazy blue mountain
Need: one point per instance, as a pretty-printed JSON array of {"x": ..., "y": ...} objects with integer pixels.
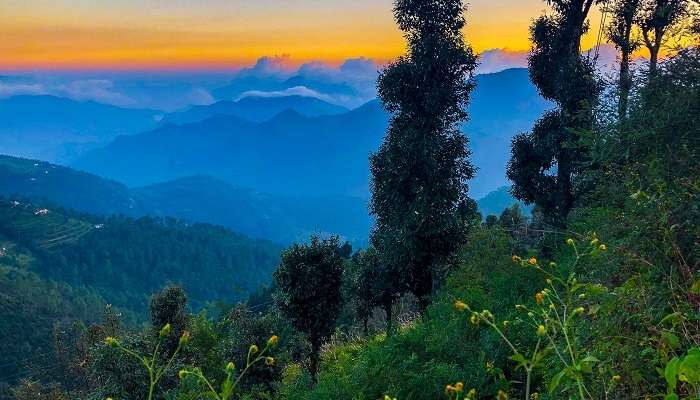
[
  {"x": 495, "y": 202},
  {"x": 290, "y": 154},
  {"x": 257, "y": 109},
  {"x": 296, "y": 155},
  {"x": 283, "y": 219},
  {"x": 58, "y": 129}
]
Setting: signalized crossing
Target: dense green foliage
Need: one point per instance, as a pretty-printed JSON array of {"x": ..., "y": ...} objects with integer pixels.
[
  {"x": 419, "y": 174},
  {"x": 309, "y": 279},
  {"x": 545, "y": 161},
  {"x": 127, "y": 259}
]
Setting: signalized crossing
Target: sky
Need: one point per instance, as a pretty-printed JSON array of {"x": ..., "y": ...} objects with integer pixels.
[{"x": 224, "y": 34}]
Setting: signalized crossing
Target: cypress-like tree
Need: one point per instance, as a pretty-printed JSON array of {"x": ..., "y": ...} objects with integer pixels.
[
  {"x": 309, "y": 281},
  {"x": 544, "y": 162},
  {"x": 419, "y": 174},
  {"x": 619, "y": 32}
]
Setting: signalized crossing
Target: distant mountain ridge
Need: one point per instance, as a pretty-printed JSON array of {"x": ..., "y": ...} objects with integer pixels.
[
  {"x": 256, "y": 109},
  {"x": 296, "y": 155},
  {"x": 58, "y": 129}
]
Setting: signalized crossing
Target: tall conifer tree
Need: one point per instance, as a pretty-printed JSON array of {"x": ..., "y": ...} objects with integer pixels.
[{"x": 419, "y": 174}]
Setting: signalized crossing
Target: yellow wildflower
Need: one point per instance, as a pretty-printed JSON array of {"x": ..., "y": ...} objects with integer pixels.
[
  {"x": 460, "y": 305},
  {"x": 541, "y": 330},
  {"x": 603, "y": 247},
  {"x": 502, "y": 395},
  {"x": 532, "y": 261},
  {"x": 517, "y": 259},
  {"x": 539, "y": 297},
  {"x": 459, "y": 387}
]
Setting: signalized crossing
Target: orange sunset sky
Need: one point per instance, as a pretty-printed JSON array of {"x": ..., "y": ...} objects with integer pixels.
[{"x": 212, "y": 34}]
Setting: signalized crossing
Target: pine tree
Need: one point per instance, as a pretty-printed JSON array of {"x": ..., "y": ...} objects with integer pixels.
[{"x": 419, "y": 174}]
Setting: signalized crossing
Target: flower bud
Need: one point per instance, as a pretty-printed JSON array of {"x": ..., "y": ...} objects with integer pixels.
[
  {"x": 616, "y": 378},
  {"x": 185, "y": 338},
  {"x": 111, "y": 342},
  {"x": 579, "y": 310},
  {"x": 471, "y": 394},
  {"x": 541, "y": 330},
  {"x": 501, "y": 395},
  {"x": 517, "y": 259},
  {"x": 165, "y": 331},
  {"x": 254, "y": 349},
  {"x": 182, "y": 374},
  {"x": 272, "y": 341},
  {"x": 603, "y": 247},
  {"x": 570, "y": 242},
  {"x": 230, "y": 367},
  {"x": 269, "y": 361},
  {"x": 460, "y": 305},
  {"x": 539, "y": 298},
  {"x": 474, "y": 319}
]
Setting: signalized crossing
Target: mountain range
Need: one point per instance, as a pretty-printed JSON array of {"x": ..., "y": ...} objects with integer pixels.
[
  {"x": 303, "y": 153},
  {"x": 58, "y": 129}
]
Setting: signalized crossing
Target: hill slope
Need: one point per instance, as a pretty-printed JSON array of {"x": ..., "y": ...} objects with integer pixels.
[
  {"x": 283, "y": 219},
  {"x": 126, "y": 260}
]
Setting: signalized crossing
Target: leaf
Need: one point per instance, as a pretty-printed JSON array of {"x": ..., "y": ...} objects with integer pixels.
[
  {"x": 673, "y": 319},
  {"x": 671, "y": 339},
  {"x": 593, "y": 309},
  {"x": 671, "y": 374},
  {"x": 556, "y": 379},
  {"x": 695, "y": 287},
  {"x": 519, "y": 358},
  {"x": 689, "y": 369}
]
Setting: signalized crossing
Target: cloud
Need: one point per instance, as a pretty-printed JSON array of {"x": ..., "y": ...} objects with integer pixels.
[
  {"x": 495, "y": 60},
  {"x": 9, "y": 89},
  {"x": 99, "y": 90},
  {"x": 349, "y": 84},
  {"x": 293, "y": 91},
  {"x": 269, "y": 67}
]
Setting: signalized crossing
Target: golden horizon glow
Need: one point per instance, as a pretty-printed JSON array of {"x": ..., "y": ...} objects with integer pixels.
[{"x": 218, "y": 34}]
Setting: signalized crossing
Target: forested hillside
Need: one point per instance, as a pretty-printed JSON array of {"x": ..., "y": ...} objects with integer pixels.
[{"x": 282, "y": 219}]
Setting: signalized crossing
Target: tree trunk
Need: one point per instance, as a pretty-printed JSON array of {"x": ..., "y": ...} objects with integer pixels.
[
  {"x": 625, "y": 85},
  {"x": 653, "y": 61},
  {"x": 314, "y": 358},
  {"x": 388, "y": 309}
]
